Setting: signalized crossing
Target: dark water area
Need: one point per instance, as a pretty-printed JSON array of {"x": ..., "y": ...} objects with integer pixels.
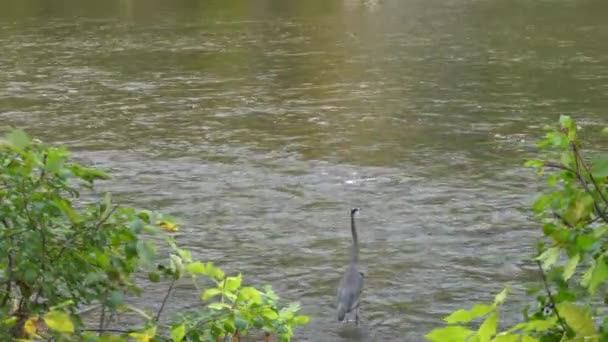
[{"x": 259, "y": 124}]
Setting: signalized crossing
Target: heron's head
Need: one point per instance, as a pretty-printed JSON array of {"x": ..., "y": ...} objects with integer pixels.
[{"x": 354, "y": 211}]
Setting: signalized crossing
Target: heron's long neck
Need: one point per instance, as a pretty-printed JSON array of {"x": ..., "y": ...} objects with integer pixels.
[{"x": 355, "y": 255}]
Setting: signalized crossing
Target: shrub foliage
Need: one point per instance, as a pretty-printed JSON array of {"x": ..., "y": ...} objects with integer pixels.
[
  {"x": 572, "y": 256},
  {"x": 61, "y": 253}
]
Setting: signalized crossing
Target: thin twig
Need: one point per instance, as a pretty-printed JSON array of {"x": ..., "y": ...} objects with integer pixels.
[
  {"x": 42, "y": 262},
  {"x": 583, "y": 181},
  {"x": 43, "y": 171},
  {"x": 162, "y": 306},
  {"x": 601, "y": 213},
  {"x": 223, "y": 289},
  {"x": 103, "y": 314},
  {"x": 9, "y": 282},
  {"x": 558, "y": 166},
  {"x": 550, "y": 295},
  {"x": 104, "y": 219},
  {"x": 108, "y": 330}
]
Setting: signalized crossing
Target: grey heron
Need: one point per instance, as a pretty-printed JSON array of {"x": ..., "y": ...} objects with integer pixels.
[{"x": 351, "y": 285}]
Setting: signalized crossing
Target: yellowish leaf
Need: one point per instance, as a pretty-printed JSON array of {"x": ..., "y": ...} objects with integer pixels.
[
  {"x": 59, "y": 321},
  {"x": 579, "y": 319},
  {"x": 29, "y": 327},
  {"x": 145, "y": 336},
  {"x": 168, "y": 226}
]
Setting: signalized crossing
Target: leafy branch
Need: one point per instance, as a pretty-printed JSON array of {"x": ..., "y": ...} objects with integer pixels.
[{"x": 573, "y": 212}]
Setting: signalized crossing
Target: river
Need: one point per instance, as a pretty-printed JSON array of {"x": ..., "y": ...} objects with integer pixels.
[{"x": 260, "y": 123}]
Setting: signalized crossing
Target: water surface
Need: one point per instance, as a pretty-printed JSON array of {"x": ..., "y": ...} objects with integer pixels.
[{"x": 260, "y": 124}]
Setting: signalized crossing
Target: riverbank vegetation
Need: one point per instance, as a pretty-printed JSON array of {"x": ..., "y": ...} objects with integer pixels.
[
  {"x": 572, "y": 258},
  {"x": 65, "y": 247}
]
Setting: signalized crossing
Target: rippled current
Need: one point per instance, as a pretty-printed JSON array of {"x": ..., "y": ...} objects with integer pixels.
[{"x": 259, "y": 124}]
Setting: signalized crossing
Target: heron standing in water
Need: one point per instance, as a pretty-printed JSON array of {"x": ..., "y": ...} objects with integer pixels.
[{"x": 351, "y": 284}]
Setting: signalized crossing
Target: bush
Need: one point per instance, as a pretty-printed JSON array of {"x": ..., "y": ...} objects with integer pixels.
[
  {"x": 60, "y": 253},
  {"x": 572, "y": 257}
]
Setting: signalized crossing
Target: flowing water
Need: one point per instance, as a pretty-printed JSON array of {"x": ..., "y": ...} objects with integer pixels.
[{"x": 260, "y": 123}]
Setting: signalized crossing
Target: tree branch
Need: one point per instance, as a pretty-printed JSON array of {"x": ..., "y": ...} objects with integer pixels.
[
  {"x": 601, "y": 213},
  {"x": 103, "y": 314},
  {"x": 162, "y": 306},
  {"x": 550, "y": 295},
  {"x": 108, "y": 330},
  {"x": 554, "y": 165},
  {"x": 9, "y": 282}
]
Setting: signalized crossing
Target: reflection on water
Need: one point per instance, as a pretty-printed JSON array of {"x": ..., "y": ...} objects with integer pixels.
[{"x": 261, "y": 124}]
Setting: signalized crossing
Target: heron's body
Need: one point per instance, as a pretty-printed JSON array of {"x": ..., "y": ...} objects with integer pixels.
[{"x": 351, "y": 285}]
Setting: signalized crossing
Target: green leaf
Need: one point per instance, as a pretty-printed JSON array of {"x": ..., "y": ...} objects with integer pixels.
[
  {"x": 538, "y": 325},
  {"x": 552, "y": 180},
  {"x": 218, "y": 306},
  {"x": 19, "y": 139},
  {"x": 229, "y": 326},
  {"x": 107, "y": 204},
  {"x": 210, "y": 293},
  {"x": 116, "y": 299},
  {"x": 488, "y": 327},
  {"x": 154, "y": 277},
  {"x": 269, "y": 313},
  {"x": 59, "y": 321},
  {"x": 585, "y": 242},
  {"x": 300, "y": 320},
  {"x": 586, "y": 278},
  {"x": 144, "y": 336},
  {"x": 453, "y": 333},
  {"x": 185, "y": 254},
  {"x": 599, "y": 275},
  {"x": 567, "y": 123},
  {"x": 549, "y": 257},
  {"x": 578, "y": 319},
  {"x": 599, "y": 232},
  {"x": 207, "y": 269},
  {"x": 178, "y": 333},
  {"x": 87, "y": 174},
  {"x": 541, "y": 203},
  {"x": 599, "y": 167},
  {"x": 136, "y": 226},
  {"x": 66, "y": 207},
  {"x": 527, "y": 338},
  {"x": 62, "y": 305},
  {"x": 176, "y": 265},
  {"x": 241, "y": 324},
  {"x": 500, "y": 298},
  {"x": 580, "y": 207},
  {"x": 195, "y": 268},
  {"x": 506, "y": 338},
  {"x": 54, "y": 160},
  {"x": 534, "y": 163},
  {"x": 231, "y": 283},
  {"x": 541, "y": 325},
  {"x": 251, "y": 294},
  {"x": 213, "y": 271},
  {"x": 571, "y": 266},
  {"x": 605, "y": 130},
  {"x": 465, "y": 316},
  {"x": 146, "y": 252}
]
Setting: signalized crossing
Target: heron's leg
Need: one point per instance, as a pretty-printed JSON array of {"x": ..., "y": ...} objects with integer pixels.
[{"x": 357, "y": 314}]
